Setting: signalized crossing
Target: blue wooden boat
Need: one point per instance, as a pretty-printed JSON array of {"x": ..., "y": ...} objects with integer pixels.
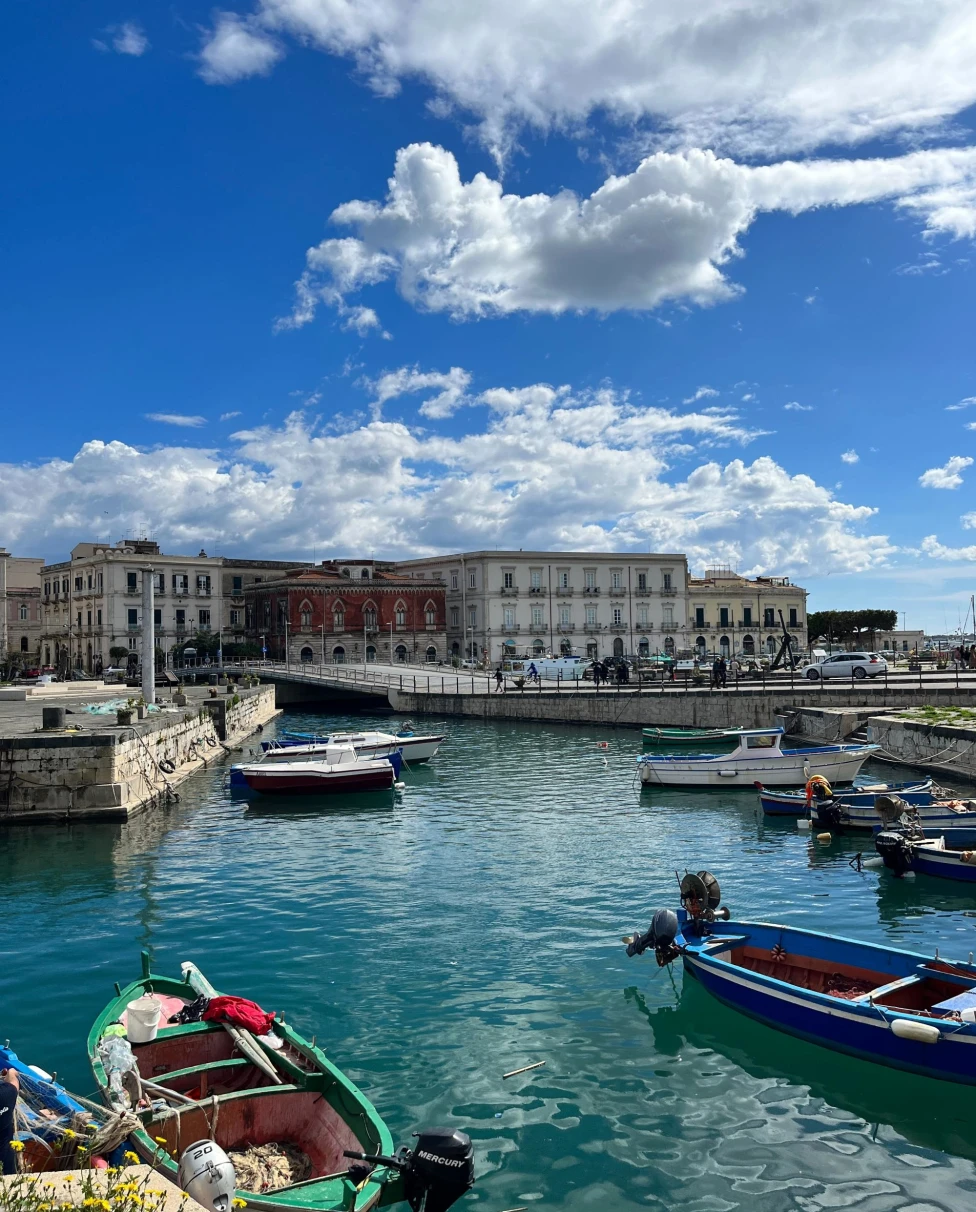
[
  {"x": 794, "y": 803},
  {"x": 896, "y": 1008},
  {"x": 951, "y": 855}
]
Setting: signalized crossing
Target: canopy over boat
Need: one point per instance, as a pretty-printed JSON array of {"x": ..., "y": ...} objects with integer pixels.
[
  {"x": 194, "y": 1080},
  {"x": 759, "y": 757},
  {"x": 897, "y": 1008}
]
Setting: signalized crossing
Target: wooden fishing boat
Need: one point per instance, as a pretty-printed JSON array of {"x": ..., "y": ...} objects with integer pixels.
[
  {"x": 205, "y": 1080},
  {"x": 951, "y": 855},
  {"x": 863, "y": 797},
  {"x": 676, "y": 738},
  {"x": 897, "y": 1008},
  {"x": 759, "y": 757}
]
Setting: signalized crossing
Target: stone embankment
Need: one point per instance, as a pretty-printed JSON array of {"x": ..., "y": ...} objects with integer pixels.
[{"x": 99, "y": 770}]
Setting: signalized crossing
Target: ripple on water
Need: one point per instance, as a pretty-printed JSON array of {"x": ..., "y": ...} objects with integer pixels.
[{"x": 438, "y": 939}]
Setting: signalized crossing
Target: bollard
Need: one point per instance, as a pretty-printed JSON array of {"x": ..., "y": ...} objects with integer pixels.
[{"x": 52, "y": 718}]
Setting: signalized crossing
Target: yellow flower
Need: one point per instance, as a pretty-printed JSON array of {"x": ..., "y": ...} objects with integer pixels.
[{"x": 17, "y": 1146}]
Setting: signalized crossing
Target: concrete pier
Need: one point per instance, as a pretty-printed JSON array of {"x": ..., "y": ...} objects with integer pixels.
[{"x": 97, "y": 769}]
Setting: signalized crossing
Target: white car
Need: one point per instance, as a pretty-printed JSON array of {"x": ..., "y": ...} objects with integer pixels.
[{"x": 847, "y": 665}]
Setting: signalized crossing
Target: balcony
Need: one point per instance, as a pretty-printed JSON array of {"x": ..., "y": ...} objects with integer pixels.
[{"x": 593, "y": 589}]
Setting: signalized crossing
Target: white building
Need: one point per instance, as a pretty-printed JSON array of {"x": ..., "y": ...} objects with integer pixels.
[{"x": 527, "y": 603}]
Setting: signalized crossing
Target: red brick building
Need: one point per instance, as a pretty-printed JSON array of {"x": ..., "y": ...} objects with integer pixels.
[{"x": 345, "y": 610}]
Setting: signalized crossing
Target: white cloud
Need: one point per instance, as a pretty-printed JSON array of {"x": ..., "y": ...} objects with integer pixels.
[
  {"x": 850, "y": 456},
  {"x": 701, "y": 394},
  {"x": 947, "y": 476},
  {"x": 450, "y": 389},
  {"x": 748, "y": 76},
  {"x": 795, "y": 406},
  {"x": 176, "y": 418},
  {"x": 932, "y": 547},
  {"x": 550, "y": 468},
  {"x": 235, "y": 49},
  {"x": 228, "y": 416},
  {"x": 968, "y": 402},
  {"x": 666, "y": 232},
  {"x": 126, "y": 39}
]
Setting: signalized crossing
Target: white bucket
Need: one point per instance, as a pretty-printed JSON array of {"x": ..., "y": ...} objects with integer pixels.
[{"x": 142, "y": 1017}]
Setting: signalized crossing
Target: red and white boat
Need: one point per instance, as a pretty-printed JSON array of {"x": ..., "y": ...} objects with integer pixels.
[{"x": 339, "y": 768}]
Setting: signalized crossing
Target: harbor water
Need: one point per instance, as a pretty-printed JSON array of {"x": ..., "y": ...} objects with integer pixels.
[{"x": 435, "y": 938}]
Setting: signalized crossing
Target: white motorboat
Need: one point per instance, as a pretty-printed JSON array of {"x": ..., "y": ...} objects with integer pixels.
[
  {"x": 759, "y": 758},
  {"x": 303, "y": 747}
]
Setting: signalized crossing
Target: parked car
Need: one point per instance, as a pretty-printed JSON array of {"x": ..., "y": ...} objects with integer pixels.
[{"x": 846, "y": 665}]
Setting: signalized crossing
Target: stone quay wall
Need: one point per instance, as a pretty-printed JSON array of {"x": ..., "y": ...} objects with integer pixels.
[
  {"x": 742, "y": 708},
  {"x": 113, "y": 772}
]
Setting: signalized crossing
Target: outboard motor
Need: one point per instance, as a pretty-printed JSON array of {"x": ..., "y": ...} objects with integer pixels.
[
  {"x": 207, "y": 1175},
  {"x": 895, "y": 850},
  {"x": 436, "y": 1173},
  {"x": 661, "y": 936}
]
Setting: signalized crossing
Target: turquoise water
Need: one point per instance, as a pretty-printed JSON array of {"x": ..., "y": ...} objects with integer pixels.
[{"x": 435, "y": 939}]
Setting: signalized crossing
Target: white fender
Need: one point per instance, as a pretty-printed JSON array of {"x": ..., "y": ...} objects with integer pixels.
[{"x": 921, "y": 1033}]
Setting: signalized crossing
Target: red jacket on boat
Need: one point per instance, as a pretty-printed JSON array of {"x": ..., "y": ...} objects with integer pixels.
[{"x": 239, "y": 1012}]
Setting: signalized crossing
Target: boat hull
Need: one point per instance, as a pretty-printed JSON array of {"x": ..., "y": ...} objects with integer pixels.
[
  {"x": 788, "y": 770},
  {"x": 862, "y": 1029},
  {"x": 793, "y": 803}
]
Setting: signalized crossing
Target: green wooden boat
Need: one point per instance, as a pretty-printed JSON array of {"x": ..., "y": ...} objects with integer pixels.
[
  {"x": 205, "y": 1080},
  {"x": 661, "y": 737}
]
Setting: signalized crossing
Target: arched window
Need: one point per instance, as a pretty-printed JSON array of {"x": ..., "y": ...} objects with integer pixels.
[
  {"x": 307, "y": 654},
  {"x": 338, "y": 617},
  {"x": 618, "y": 647},
  {"x": 565, "y": 647},
  {"x": 431, "y": 655},
  {"x": 430, "y": 614},
  {"x": 370, "y": 654},
  {"x": 339, "y": 655},
  {"x": 669, "y": 645},
  {"x": 401, "y": 615},
  {"x": 643, "y": 647},
  {"x": 748, "y": 645},
  {"x": 23, "y": 644},
  {"x": 723, "y": 645},
  {"x": 369, "y": 616},
  {"x": 401, "y": 653},
  {"x": 305, "y": 613}
]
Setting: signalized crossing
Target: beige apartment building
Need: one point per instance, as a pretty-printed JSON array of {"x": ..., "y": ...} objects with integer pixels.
[
  {"x": 92, "y": 602},
  {"x": 20, "y": 609},
  {"x": 502, "y": 604},
  {"x": 728, "y": 613}
]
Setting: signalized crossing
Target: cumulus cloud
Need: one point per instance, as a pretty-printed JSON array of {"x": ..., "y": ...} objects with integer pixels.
[
  {"x": 850, "y": 456},
  {"x": 795, "y": 406},
  {"x": 968, "y": 402},
  {"x": 449, "y": 389},
  {"x": 748, "y": 76},
  {"x": 667, "y": 232},
  {"x": 947, "y": 476},
  {"x": 550, "y": 468},
  {"x": 176, "y": 418},
  {"x": 235, "y": 49}
]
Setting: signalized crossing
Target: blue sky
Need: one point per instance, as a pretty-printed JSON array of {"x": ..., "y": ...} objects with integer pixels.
[{"x": 700, "y": 266}]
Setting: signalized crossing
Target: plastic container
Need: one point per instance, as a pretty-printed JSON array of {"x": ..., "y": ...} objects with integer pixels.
[{"x": 142, "y": 1017}]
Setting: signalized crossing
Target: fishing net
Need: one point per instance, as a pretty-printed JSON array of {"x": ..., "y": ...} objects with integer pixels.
[
  {"x": 61, "y": 1137},
  {"x": 270, "y": 1167}
]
